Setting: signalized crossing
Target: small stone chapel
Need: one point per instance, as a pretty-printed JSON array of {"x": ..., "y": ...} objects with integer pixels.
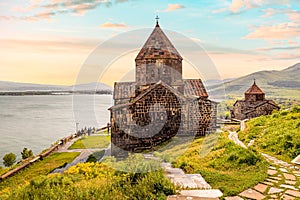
[{"x": 254, "y": 105}]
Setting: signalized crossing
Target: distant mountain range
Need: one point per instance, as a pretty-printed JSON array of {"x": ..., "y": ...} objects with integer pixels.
[
  {"x": 6, "y": 86},
  {"x": 216, "y": 82},
  {"x": 279, "y": 84}
]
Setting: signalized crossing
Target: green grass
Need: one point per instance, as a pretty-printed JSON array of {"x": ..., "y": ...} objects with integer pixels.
[
  {"x": 222, "y": 163},
  {"x": 3, "y": 170},
  {"x": 42, "y": 167},
  {"x": 102, "y": 132},
  {"x": 277, "y": 134},
  {"x": 91, "y": 142},
  {"x": 96, "y": 156},
  {"x": 95, "y": 181}
]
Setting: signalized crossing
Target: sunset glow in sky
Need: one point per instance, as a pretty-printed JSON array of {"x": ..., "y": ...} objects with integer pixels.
[{"x": 47, "y": 41}]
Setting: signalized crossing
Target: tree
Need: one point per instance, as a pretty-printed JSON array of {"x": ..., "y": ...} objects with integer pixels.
[
  {"x": 9, "y": 159},
  {"x": 26, "y": 153}
]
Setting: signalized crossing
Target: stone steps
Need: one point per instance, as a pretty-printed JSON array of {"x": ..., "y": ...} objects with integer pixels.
[
  {"x": 197, "y": 195},
  {"x": 185, "y": 181},
  {"x": 193, "y": 185}
]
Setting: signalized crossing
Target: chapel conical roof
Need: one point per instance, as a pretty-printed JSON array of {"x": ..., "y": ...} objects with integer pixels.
[
  {"x": 158, "y": 46},
  {"x": 254, "y": 89}
]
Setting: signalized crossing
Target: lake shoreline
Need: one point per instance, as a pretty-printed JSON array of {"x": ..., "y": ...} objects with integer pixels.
[
  {"x": 32, "y": 93},
  {"x": 36, "y": 121}
]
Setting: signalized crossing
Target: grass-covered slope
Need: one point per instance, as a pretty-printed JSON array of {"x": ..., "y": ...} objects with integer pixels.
[
  {"x": 225, "y": 166},
  {"x": 91, "y": 142},
  {"x": 95, "y": 181},
  {"x": 39, "y": 168},
  {"x": 277, "y": 134}
]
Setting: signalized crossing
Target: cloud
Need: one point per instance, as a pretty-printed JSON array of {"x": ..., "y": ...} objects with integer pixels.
[
  {"x": 49, "y": 44},
  {"x": 294, "y": 16},
  {"x": 280, "y": 31},
  {"x": 236, "y": 5},
  {"x": 33, "y": 4},
  {"x": 197, "y": 40},
  {"x": 172, "y": 7},
  {"x": 36, "y": 17},
  {"x": 288, "y": 56},
  {"x": 4, "y": 18},
  {"x": 219, "y": 10},
  {"x": 113, "y": 25},
  {"x": 45, "y": 10},
  {"x": 269, "y": 12},
  {"x": 121, "y": 1},
  {"x": 79, "y": 7},
  {"x": 287, "y": 31},
  {"x": 279, "y": 48}
]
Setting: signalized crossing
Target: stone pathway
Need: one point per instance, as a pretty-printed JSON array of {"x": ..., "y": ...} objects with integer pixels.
[
  {"x": 84, "y": 154},
  {"x": 234, "y": 137},
  {"x": 296, "y": 160},
  {"x": 283, "y": 181},
  {"x": 193, "y": 185}
]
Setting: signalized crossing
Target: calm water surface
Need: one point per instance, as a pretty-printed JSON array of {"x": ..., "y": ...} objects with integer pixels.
[{"x": 36, "y": 122}]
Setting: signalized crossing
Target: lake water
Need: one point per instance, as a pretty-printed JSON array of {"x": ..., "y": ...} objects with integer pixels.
[{"x": 36, "y": 122}]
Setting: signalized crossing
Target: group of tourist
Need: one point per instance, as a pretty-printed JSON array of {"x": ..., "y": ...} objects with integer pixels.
[{"x": 85, "y": 131}]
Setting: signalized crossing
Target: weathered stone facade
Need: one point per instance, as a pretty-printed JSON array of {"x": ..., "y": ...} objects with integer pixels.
[
  {"x": 160, "y": 104},
  {"x": 254, "y": 105}
]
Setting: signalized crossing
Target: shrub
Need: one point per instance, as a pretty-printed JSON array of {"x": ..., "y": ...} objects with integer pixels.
[
  {"x": 9, "y": 159},
  {"x": 284, "y": 113},
  {"x": 26, "y": 153}
]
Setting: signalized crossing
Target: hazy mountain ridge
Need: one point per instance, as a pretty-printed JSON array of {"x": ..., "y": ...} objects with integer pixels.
[
  {"x": 6, "y": 86},
  {"x": 282, "y": 83}
]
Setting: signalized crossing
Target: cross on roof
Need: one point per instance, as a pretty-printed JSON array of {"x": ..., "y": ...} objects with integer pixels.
[{"x": 157, "y": 18}]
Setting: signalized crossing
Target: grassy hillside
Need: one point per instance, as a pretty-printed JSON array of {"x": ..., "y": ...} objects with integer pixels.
[
  {"x": 277, "y": 134},
  {"x": 39, "y": 168},
  {"x": 224, "y": 165},
  {"x": 276, "y": 84},
  {"x": 95, "y": 181}
]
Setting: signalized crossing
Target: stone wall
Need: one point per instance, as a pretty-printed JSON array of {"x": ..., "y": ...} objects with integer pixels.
[
  {"x": 153, "y": 70},
  {"x": 247, "y": 109},
  {"x": 123, "y": 91},
  {"x": 264, "y": 109},
  {"x": 152, "y": 120}
]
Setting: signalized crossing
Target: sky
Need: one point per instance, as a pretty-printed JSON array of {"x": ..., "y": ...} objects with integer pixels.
[{"x": 48, "y": 41}]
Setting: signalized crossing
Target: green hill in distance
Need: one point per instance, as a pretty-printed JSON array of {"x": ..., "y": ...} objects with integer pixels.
[
  {"x": 277, "y": 134},
  {"x": 276, "y": 84}
]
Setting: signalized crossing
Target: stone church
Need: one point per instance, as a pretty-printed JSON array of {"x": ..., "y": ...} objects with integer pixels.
[
  {"x": 254, "y": 105},
  {"x": 160, "y": 103}
]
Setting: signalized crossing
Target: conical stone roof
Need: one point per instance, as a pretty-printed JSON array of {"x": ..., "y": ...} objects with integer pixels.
[
  {"x": 254, "y": 89},
  {"x": 158, "y": 46}
]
